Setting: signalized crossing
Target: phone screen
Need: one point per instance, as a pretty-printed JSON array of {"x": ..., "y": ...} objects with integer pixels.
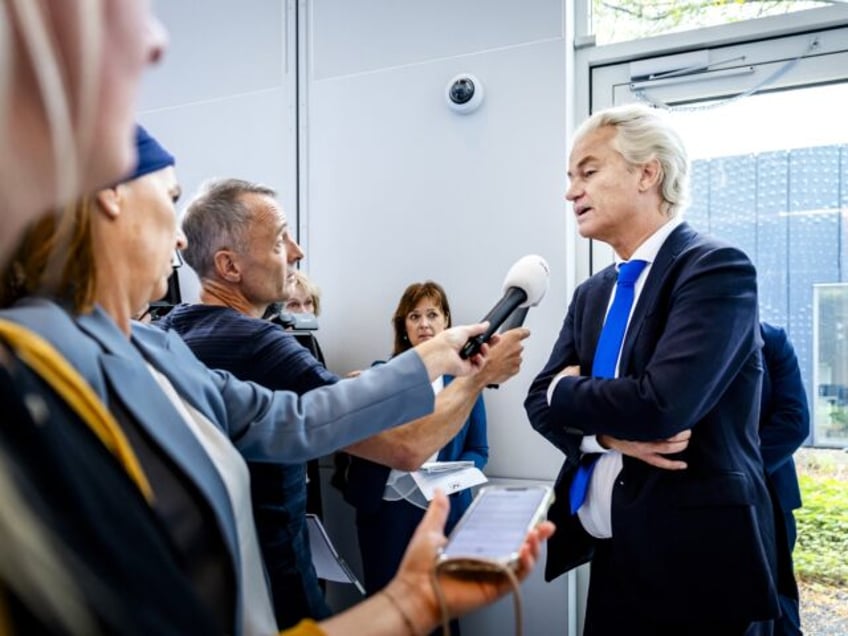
[{"x": 495, "y": 525}]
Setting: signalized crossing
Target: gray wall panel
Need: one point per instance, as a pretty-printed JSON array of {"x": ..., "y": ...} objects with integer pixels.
[
  {"x": 391, "y": 185},
  {"x": 401, "y": 189},
  {"x": 218, "y": 48},
  {"x": 367, "y": 35},
  {"x": 223, "y": 99}
]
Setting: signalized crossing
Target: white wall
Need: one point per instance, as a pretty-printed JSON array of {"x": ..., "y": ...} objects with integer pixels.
[
  {"x": 223, "y": 99},
  {"x": 399, "y": 188},
  {"x": 389, "y": 186}
]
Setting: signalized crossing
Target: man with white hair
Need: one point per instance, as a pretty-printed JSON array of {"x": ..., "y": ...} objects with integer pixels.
[{"x": 652, "y": 391}]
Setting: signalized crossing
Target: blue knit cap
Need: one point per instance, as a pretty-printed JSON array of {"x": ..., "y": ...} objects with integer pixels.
[{"x": 151, "y": 155}]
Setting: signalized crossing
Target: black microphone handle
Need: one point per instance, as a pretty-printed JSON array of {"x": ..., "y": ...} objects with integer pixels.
[
  {"x": 516, "y": 319},
  {"x": 510, "y": 301}
]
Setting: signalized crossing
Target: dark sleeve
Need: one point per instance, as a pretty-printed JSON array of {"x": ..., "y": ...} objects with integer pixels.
[
  {"x": 785, "y": 415},
  {"x": 280, "y": 362},
  {"x": 688, "y": 361},
  {"x": 476, "y": 446}
]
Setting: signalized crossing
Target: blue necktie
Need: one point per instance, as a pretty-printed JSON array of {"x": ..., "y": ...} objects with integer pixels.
[{"x": 606, "y": 357}]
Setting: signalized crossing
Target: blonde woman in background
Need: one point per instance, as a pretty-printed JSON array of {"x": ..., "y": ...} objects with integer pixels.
[{"x": 304, "y": 295}]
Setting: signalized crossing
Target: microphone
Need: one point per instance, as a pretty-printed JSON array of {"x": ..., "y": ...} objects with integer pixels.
[
  {"x": 524, "y": 286},
  {"x": 516, "y": 319}
]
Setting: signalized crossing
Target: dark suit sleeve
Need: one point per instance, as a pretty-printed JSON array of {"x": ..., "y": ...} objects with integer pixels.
[
  {"x": 698, "y": 335},
  {"x": 785, "y": 415},
  {"x": 476, "y": 444}
]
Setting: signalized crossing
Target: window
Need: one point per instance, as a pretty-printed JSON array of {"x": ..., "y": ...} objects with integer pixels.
[
  {"x": 626, "y": 20},
  {"x": 764, "y": 124}
]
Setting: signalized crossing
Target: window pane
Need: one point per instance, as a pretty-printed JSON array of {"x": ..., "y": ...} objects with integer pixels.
[
  {"x": 770, "y": 174},
  {"x": 625, "y": 20}
]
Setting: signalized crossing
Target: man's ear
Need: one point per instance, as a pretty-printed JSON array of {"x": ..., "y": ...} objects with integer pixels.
[
  {"x": 226, "y": 266},
  {"x": 651, "y": 174},
  {"x": 109, "y": 201}
]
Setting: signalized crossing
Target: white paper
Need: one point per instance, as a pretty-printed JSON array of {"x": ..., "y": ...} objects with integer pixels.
[
  {"x": 328, "y": 564},
  {"x": 448, "y": 482}
]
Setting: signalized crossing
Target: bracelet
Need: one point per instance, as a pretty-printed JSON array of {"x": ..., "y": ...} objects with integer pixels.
[{"x": 404, "y": 615}]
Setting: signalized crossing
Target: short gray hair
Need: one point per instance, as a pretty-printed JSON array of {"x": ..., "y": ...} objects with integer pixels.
[
  {"x": 645, "y": 133},
  {"x": 217, "y": 218}
]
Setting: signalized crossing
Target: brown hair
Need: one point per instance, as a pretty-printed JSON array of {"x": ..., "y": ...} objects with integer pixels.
[
  {"x": 413, "y": 295},
  {"x": 55, "y": 257}
]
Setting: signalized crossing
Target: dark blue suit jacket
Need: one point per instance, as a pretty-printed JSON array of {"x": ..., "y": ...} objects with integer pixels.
[
  {"x": 784, "y": 425},
  {"x": 784, "y": 417},
  {"x": 689, "y": 545}
]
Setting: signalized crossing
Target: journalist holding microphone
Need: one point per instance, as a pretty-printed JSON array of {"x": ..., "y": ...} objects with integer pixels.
[{"x": 225, "y": 331}]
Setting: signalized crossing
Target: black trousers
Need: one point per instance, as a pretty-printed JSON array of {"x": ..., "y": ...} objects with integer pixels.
[{"x": 608, "y": 612}]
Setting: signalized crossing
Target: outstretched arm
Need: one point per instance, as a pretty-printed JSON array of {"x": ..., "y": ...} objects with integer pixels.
[{"x": 407, "y": 447}]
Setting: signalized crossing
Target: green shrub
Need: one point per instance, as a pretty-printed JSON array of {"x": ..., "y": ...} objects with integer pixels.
[{"x": 820, "y": 554}]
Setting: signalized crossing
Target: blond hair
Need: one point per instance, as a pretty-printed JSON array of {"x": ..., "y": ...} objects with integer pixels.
[
  {"x": 309, "y": 288},
  {"x": 70, "y": 125}
]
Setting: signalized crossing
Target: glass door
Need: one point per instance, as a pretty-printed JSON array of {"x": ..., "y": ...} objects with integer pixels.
[{"x": 765, "y": 126}]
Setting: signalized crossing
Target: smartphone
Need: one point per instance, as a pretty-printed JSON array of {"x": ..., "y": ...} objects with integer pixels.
[{"x": 494, "y": 527}]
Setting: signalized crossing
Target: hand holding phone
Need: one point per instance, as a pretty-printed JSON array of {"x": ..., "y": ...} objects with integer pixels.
[{"x": 490, "y": 534}]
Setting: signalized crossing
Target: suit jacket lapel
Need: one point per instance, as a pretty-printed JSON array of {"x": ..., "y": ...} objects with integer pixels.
[
  {"x": 647, "y": 303},
  {"x": 156, "y": 346},
  {"x": 133, "y": 384}
]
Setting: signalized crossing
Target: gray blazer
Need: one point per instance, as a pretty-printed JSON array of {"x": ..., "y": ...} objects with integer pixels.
[{"x": 264, "y": 425}]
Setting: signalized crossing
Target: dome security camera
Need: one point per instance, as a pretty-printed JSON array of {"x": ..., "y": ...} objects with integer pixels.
[{"x": 464, "y": 93}]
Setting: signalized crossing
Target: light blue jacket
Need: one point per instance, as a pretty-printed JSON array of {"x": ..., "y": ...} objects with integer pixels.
[{"x": 262, "y": 424}]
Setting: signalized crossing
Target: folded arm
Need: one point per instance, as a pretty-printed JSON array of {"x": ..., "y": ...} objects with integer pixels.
[{"x": 684, "y": 373}]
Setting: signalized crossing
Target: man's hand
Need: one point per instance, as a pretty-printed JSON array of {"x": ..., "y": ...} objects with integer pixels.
[
  {"x": 440, "y": 354},
  {"x": 573, "y": 370},
  {"x": 652, "y": 452},
  {"x": 504, "y": 359}
]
